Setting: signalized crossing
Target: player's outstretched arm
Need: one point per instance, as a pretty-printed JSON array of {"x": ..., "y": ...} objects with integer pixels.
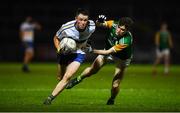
[
  {"x": 114, "y": 49},
  {"x": 104, "y": 52}
]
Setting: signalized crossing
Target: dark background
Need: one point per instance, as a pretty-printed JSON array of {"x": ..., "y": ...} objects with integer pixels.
[{"x": 147, "y": 16}]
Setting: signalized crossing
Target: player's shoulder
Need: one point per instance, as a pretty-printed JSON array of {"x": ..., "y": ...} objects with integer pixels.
[
  {"x": 129, "y": 34},
  {"x": 159, "y": 31},
  {"x": 169, "y": 32},
  {"x": 67, "y": 25},
  {"x": 91, "y": 23},
  {"x": 127, "y": 38},
  {"x": 25, "y": 25},
  {"x": 92, "y": 26},
  {"x": 70, "y": 23},
  {"x": 114, "y": 23}
]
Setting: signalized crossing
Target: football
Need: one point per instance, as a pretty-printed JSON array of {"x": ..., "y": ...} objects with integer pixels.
[{"x": 67, "y": 45}]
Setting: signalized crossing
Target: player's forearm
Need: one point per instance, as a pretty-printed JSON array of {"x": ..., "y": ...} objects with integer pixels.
[
  {"x": 157, "y": 40},
  {"x": 170, "y": 42},
  {"x": 104, "y": 52}
]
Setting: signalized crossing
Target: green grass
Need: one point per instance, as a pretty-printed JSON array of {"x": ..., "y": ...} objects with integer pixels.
[{"x": 140, "y": 91}]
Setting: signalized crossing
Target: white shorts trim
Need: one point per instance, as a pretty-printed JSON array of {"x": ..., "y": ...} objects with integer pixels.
[
  {"x": 123, "y": 63},
  {"x": 164, "y": 52}
]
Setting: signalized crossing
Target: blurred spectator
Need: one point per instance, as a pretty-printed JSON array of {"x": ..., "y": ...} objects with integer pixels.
[
  {"x": 27, "y": 37},
  {"x": 163, "y": 42}
]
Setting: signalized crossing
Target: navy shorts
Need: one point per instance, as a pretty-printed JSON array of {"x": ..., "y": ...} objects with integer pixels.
[
  {"x": 28, "y": 45},
  {"x": 68, "y": 58}
]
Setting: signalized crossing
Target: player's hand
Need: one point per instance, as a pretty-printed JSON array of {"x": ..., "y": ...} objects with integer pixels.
[
  {"x": 88, "y": 48},
  {"x": 63, "y": 50},
  {"x": 101, "y": 18},
  {"x": 59, "y": 50}
]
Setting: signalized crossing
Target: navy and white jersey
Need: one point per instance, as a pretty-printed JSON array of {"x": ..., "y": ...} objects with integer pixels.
[
  {"x": 69, "y": 30},
  {"x": 27, "y": 30}
]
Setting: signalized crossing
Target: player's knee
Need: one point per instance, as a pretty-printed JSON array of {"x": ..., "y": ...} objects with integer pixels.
[
  {"x": 67, "y": 77},
  {"x": 30, "y": 54}
]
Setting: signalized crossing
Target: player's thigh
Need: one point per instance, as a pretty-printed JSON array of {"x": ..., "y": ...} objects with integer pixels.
[
  {"x": 29, "y": 48},
  {"x": 159, "y": 54},
  {"x": 166, "y": 54},
  {"x": 121, "y": 65},
  {"x": 29, "y": 52},
  {"x": 71, "y": 69}
]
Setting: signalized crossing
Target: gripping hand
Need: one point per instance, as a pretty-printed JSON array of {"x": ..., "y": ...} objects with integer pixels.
[{"x": 101, "y": 18}]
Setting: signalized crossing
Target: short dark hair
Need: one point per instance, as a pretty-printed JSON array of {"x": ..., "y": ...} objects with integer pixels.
[
  {"x": 127, "y": 21},
  {"x": 82, "y": 11}
]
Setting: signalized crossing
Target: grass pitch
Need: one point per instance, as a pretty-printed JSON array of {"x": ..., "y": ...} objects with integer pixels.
[{"x": 140, "y": 91}]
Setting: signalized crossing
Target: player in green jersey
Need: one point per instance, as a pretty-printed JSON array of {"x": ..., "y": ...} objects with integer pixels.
[
  {"x": 118, "y": 48},
  {"x": 163, "y": 42}
]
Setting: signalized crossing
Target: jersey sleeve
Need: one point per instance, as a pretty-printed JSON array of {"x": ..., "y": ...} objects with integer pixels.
[
  {"x": 92, "y": 26},
  {"x": 109, "y": 23},
  {"x": 23, "y": 27},
  {"x": 119, "y": 47},
  {"x": 123, "y": 43},
  {"x": 61, "y": 33}
]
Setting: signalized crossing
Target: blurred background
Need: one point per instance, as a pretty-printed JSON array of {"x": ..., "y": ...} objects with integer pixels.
[{"x": 147, "y": 16}]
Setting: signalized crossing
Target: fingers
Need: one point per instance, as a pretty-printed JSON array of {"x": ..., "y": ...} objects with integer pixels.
[{"x": 101, "y": 18}]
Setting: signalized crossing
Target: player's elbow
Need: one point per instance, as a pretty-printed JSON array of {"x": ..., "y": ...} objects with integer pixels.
[{"x": 56, "y": 39}]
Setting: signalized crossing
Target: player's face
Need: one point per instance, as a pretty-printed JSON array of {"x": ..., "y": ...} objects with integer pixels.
[
  {"x": 29, "y": 19},
  {"x": 164, "y": 26},
  {"x": 121, "y": 30},
  {"x": 81, "y": 21}
]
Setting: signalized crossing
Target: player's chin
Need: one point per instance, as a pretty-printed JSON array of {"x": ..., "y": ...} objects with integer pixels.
[{"x": 82, "y": 27}]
